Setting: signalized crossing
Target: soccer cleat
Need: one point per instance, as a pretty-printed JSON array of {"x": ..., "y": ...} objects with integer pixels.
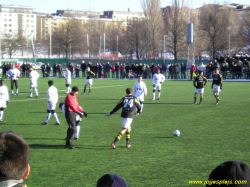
[
  {"x": 137, "y": 114},
  {"x": 129, "y": 145},
  {"x": 44, "y": 123},
  {"x": 89, "y": 93},
  {"x": 113, "y": 145},
  {"x": 57, "y": 124},
  {"x": 83, "y": 93},
  {"x": 194, "y": 103},
  {"x": 29, "y": 97},
  {"x": 37, "y": 96},
  {"x": 75, "y": 138},
  {"x": 1, "y": 120},
  {"x": 153, "y": 99},
  {"x": 12, "y": 94},
  {"x": 67, "y": 92},
  {"x": 200, "y": 103},
  {"x": 158, "y": 98},
  {"x": 17, "y": 94}
]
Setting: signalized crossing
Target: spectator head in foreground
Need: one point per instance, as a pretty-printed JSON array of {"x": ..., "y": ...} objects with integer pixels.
[
  {"x": 230, "y": 174},
  {"x": 110, "y": 180},
  {"x": 14, "y": 158}
]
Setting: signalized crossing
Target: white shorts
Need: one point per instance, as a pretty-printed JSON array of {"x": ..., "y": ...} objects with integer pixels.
[
  {"x": 2, "y": 103},
  {"x": 157, "y": 86},
  {"x": 68, "y": 82},
  {"x": 216, "y": 88},
  {"x": 33, "y": 84},
  {"x": 199, "y": 90},
  {"x": 51, "y": 106},
  {"x": 140, "y": 98},
  {"x": 89, "y": 82},
  {"x": 126, "y": 122}
]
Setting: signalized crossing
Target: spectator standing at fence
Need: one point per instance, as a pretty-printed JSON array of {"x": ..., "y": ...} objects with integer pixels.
[
  {"x": 193, "y": 69},
  {"x": 23, "y": 70},
  {"x": 202, "y": 68},
  {"x": 43, "y": 69},
  {"x": 113, "y": 71},
  {"x": 239, "y": 70},
  {"x": 152, "y": 69},
  {"x": 233, "y": 70},
  {"x": 77, "y": 70},
  {"x": 177, "y": 71},
  {"x": 107, "y": 70},
  {"x": 127, "y": 68},
  {"x": 27, "y": 69},
  {"x": 60, "y": 70},
  {"x": 83, "y": 67},
  {"x": 164, "y": 69},
  {"x": 94, "y": 69},
  {"x": 224, "y": 67},
  {"x": 48, "y": 68},
  {"x": 121, "y": 71},
  {"x": 99, "y": 70},
  {"x": 117, "y": 68},
  {"x": 183, "y": 71},
  {"x": 144, "y": 72}
]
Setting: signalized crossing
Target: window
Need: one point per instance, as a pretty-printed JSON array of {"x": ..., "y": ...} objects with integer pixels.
[
  {"x": 5, "y": 25},
  {"x": 10, "y": 30},
  {"x": 28, "y": 16},
  {"x": 241, "y": 13},
  {"x": 10, "y": 20},
  {"x": 32, "y": 16},
  {"x": 10, "y": 25}
]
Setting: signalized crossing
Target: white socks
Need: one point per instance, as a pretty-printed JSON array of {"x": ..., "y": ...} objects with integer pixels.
[
  {"x": 153, "y": 95},
  {"x": 30, "y": 92},
  {"x": 36, "y": 92},
  {"x": 47, "y": 118},
  {"x": 55, "y": 116},
  {"x": 77, "y": 131}
]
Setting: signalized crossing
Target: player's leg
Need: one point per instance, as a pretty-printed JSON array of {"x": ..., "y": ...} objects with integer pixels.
[
  {"x": 68, "y": 88},
  {"x": 154, "y": 88},
  {"x": 16, "y": 84},
  {"x": 201, "y": 97},
  {"x": 159, "y": 90},
  {"x": 128, "y": 137},
  {"x": 77, "y": 130},
  {"x": 47, "y": 117},
  {"x": 1, "y": 114},
  {"x": 36, "y": 91},
  {"x": 84, "y": 90},
  {"x": 195, "y": 98},
  {"x": 12, "y": 82},
  {"x": 55, "y": 116},
  {"x": 90, "y": 88},
  {"x": 30, "y": 92},
  {"x": 142, "y": 103},
  {"x": 71, "y": 120}
]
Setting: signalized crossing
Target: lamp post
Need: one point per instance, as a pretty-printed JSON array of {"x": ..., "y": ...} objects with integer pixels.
[{"x": 164, "y": 48}]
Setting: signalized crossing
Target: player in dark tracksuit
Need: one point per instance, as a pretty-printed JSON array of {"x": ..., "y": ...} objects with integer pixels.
[
  {"x": 217, "y": 85},
  {"x": 128, "y": 105},
  {"x": 199, "y": 82}
]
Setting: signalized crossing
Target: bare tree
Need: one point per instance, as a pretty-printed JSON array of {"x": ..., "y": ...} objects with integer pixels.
[
  {"x": 176, "y": 19},
  {"x": 153, "y": 16},
  {"x": 214, "y": 24},
  {"x": 11, "y": 42},
  {"x": 68, "y": 36}
]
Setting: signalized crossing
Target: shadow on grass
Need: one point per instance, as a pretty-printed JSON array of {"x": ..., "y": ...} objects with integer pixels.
[
  {"x": 155, "y": 103},
  {"x": 42, "y": 146},
  {"x": 164, "y": 137}
]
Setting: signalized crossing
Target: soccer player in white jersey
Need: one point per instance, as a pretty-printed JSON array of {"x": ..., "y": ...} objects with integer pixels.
[
  {"x": 14, "y": 74},
  {"x": 68, "y": 79},
  {"x": 140, "y": 90},
  {"x": 52, "y": 98},
  {"x": 4, "y": 98},
  {"x": 158, "y": 78},
  {"x": 33, "y": 81}
]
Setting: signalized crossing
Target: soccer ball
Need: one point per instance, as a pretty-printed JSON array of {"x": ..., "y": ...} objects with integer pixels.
[{"x": 177, "y": 133}]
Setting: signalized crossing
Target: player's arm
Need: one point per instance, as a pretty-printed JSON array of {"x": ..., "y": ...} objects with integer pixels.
[
  {"x": 206, "y": 81},
  {"x": 93, "y": 74},
  {"x": 194, "y": 83},
  {"x": 145, "y": 90},
  {"x": 134, "y": 89},
  {"x": 118, "y": 106},
  {"x": 162, "y": 78},
  {"x": 221, "y": 82}
]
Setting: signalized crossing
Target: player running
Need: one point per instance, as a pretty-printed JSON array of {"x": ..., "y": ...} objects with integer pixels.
[
  {"x": 33, "y": 82},
  {"x": 140, "y": 90},
  {"x": 199, "y": 82},
  {"x": 217, "y": 84},
  {"x": 89, "y": 80},
  {"x": 52, "y": 98},
  {"x": 158, "y": 78},
  {"x": 127, "y": 103}
]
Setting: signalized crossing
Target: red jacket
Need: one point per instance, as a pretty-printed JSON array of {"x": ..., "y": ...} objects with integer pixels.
[
  {"x": 193, "y": 68},
  {"x": 113, "y": 69},
  {"x": 71, "y": 103}
]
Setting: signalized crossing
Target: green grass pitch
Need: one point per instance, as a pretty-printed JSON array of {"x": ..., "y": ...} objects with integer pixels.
[{"x": 210, "y": 134}]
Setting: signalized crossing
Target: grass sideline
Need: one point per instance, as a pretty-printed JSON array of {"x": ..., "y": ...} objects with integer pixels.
[{"x": 210, "y": 134}]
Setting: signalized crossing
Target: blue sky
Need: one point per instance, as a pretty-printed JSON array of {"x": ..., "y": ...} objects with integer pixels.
[{"x": 50, "y": 6}]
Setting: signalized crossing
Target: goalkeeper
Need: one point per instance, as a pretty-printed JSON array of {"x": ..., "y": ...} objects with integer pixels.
[
  {"x": 71, "y": 109},
  {"x": 199, "y": 82}
]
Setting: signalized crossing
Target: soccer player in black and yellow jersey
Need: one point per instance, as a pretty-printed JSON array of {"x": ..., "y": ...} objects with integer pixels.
[
  {"x": 199, "y": 82},
  {"x": 89, "y": 80},
  {"x": 217, "y": 85},
  {"x": 128, "y": 104}
]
